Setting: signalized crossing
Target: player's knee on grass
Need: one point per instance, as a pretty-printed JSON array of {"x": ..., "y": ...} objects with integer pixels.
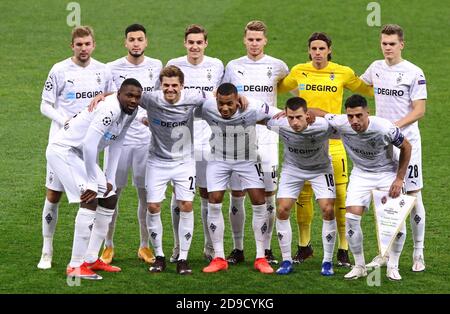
[
  {"x": 327, "y": 207},
  {"x": 257, "y": 196},
  {"x": 284, "y": 206},
  {"x": 203, "y": 192},
  {"x": 216, "y": 197},
  {"x": 283, "y": 213},
  {"x": 154, "y": 208},
  {"x": 185, "y": 206},
  {"x": 53, "y": 196}
]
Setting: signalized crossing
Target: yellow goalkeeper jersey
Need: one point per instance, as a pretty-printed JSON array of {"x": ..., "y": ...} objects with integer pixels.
[{"x": 324, "y": 88}]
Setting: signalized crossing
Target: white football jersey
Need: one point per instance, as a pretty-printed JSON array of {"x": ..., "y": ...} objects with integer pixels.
[
  {"x": 257, "y": 79},
  {"x": 206, "y": 76},
  {"x": 307, "y": 149},
  {"x": 372, "y": 150},
  {"x": 147, "y": 73},
  {"x": 71, "y": 87},
  {"x": 171, "y": 125},
  {"x": 235, "y": 138},
  {"x": 395, "y": 87},
  {"x": 107, "y": 119}
]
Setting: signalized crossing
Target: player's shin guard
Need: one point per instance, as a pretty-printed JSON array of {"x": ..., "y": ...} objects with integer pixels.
[
  {"x": 355, "y": 238},
  {"x": 328, "y": 239},
  {"x": 83, "y": 227},
  {"x": 260, "y": 226},
  {"x": 284, "y": 235},
  {"x": 237, "y": 220},
  {"x": 417, "y": 219},
  {"x": 155, "y": 230},
  {"x": 142, "y": 217},
  {"x": 339, "y": 213},
  {"x": 216, "y": 228},
  {"x": 175, "y": 212},
  {"x": 103, "y": 218},
  {"x": 270, "y": 203},
  {"x": 204, "y": 209},
  {"x": 304, "y": 208},
  {"x": 185, "y": 231},
  {"x": 49, "y": 220},
  {"x": 397, "y": 247}
]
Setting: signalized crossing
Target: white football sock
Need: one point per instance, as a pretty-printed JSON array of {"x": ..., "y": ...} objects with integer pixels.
[
  {"x": 142, "y": 217},
  {"x": 216, "y": 228},
  {"x": 112, "y": 227},
  {"x": 49, "y": 220},
  {"x": 329, "y": 229},
  {"x": 204, "y": 209},
  {"x": 237, "y": 220},
  {"x": 83, "y": 227},
  {"x": 175, "y": 212},
  {"x": 284, "y": 235},
  {"x": 103, "y": 218},
  {"x": 417, "y": 218},
  {"x": 260, "y": 224},
  {"x": 155, "y": 230},
  {"x": 354, "y": 235},
  {"x": 397, "y": 247},
  {"x": 270, "y": 203},
  {"x": 185, "y": 230}
]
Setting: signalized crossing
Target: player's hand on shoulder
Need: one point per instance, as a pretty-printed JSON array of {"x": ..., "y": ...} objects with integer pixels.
[
  {"x": 310, "y": 117},
  {"x": 94, "y": 102},
  {"x": 144, "y": 121},
  {"x": 279, "y": 115},
  {"x": 243, "y": 102}
]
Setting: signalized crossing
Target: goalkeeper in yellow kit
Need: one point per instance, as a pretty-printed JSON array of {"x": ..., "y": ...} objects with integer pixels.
[{"x": 321, "y": 83}]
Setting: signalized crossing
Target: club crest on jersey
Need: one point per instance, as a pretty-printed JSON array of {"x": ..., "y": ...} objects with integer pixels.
[
  {"x": 208, "y": 74},
  {"x": 269, "y": 72},
  {"x": 399, "y": 78},
  {"x": 99, "y": 79},
  {"x": 372, "y": 142},
  {"x": 332, "y": 76}
]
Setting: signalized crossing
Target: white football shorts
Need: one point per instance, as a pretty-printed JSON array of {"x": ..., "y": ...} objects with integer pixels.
[
  {"x": 181, "y": 175},
  {"x": 69, "y": 168},
  {"x": 292, "y": 180},
  {"x": 361, "y": 184},
  {"x": 249, "y": 173}
]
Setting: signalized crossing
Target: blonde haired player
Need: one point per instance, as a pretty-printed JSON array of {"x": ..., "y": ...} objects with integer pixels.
[
  {"x": 321, "y": 83},
  {"x": 70, "y": 86},
  {"x": 256, "y": 75}
]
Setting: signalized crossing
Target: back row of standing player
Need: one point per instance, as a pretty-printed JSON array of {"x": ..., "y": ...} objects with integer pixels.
[{"x": 320, "y": 82}]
